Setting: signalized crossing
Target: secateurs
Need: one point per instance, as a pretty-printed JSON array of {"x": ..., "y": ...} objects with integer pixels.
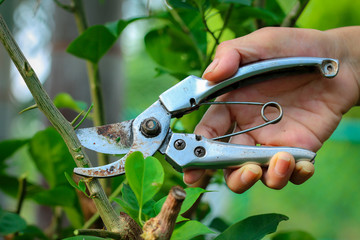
[{"x": 150, "y": 131}]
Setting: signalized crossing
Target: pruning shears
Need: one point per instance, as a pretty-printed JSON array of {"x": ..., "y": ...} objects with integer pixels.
[{"x": 150, "y": 131}]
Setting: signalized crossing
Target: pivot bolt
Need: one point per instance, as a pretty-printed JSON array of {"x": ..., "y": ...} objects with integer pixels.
[
  {"x": 150, "y": 127},
  {"x": 199, "y": 151},
  {"x": 179, "y": 144}
]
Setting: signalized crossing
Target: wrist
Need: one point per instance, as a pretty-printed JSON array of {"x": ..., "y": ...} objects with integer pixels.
[{"x": 345, "y": 48}]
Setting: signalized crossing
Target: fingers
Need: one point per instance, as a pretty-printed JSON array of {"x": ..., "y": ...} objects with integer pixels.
[
  {"x": 279, "y": 171},
  {"x": 282, "y": 168},
  {"x": 241, "y": 179},
  {"x": 303, "y": 171},
  {"x": 191, "y": 176}
]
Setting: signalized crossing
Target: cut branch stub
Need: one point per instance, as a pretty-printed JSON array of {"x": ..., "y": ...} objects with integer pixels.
[{"x": 162, "y": 226}]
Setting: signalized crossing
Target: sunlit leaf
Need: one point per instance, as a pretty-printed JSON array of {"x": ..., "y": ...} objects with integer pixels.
[
  {"x": 254, "y": 227},
  {"x": 64, "y": 100},
  {"x": 10, "y": 223},
  {"x": 293, "y": 235},
  {"x": 189, "y": 230},
  {"x": 145, "y": 176},
  {"x": 51, "y": 156}
]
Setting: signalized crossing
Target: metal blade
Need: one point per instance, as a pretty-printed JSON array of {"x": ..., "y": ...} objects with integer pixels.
[{"x": 111, "y": 139}]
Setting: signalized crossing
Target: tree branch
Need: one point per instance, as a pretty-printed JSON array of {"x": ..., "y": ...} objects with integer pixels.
[
  {"x": 162, "y": 226},
  {"x": 111, "y": 219},
  {"x": 294, "y": 14}
]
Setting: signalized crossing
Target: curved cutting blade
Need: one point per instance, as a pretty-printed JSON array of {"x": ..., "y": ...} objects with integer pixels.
[{"x": 111, "y": 139}]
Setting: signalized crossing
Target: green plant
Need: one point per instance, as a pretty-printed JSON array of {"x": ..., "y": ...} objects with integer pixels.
[{"x": 183, "y": 41}]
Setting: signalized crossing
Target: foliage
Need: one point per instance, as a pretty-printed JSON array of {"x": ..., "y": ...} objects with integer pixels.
[{"x": 181, "y": 41}]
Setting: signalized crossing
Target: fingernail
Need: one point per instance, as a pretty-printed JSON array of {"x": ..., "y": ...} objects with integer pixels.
[
  {"x": 249, "y": 174},
  {"x": 211, "y": 67},
  {"x": 282, "y": 164}
]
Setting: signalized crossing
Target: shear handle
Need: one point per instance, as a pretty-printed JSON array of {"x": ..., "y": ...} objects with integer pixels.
[
  {"x": 190, "y": 92},
  {"x": 193, "y": 151}
]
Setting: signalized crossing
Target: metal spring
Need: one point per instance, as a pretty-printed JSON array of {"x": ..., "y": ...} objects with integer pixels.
[{"x": 264, "y": 106}]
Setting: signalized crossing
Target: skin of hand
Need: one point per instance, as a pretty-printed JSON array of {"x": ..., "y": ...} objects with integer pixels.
[{"x": 312, "y": 105}]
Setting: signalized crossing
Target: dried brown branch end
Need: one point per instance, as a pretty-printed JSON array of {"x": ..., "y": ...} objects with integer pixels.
[{"x": 162, "y": 226}]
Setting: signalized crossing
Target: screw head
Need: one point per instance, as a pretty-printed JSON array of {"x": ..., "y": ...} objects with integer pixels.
[
  {"x": 179, "y": 144},
  {"x": 199, "y": 151},
  {"x": 150, "y": 127}
]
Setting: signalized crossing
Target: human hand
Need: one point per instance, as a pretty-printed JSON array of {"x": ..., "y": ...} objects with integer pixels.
[{"x": 312, "y": 105}]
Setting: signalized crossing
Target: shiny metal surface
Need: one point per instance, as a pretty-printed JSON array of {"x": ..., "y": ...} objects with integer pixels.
[
  {"x": 205, "y": 153},
  {"x": 146, "y": 145},
  {"x": 191, "y": 91},
  {"x": 111, "y": 139}
]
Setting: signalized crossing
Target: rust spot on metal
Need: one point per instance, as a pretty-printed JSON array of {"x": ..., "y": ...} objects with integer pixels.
[{"x": 118, "y": 133}]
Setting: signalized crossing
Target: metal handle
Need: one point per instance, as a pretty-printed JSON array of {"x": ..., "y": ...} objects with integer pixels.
[
  {"x": 190, "y": 150},
  {"x": 190, "y": 92}
]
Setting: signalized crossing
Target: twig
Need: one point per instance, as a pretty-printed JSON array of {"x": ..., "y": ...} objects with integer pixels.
[
  {"x": 28, "y": 108},
  {"x": 68, "y": 8},
  {"x": 186, "y": 30},
  {"x": 162, "y": 226},
  {"x": 98, "y": 233},
  {"x": 109, "y": 216},
  {"x": 83, "y": 119},
  {"x": 226, "y": 20},
  {"x": 294, "y": 14},
  {"x": 21, "y": 193}
]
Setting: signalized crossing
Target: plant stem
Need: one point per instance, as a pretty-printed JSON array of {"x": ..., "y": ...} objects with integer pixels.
[
  {"x": 115, "y": 193},
  {"x": 98, "y": 233},
  {"x": 161, "y": 227},
  {"x": 95, "y": 85},
  {"x": 294, "y": 14},
  {"x": 21, "y": 193},
  {"x": 109, "y": 216},
  {"x": 187, "y": 31},
  {"x": 226, "y": 20}
]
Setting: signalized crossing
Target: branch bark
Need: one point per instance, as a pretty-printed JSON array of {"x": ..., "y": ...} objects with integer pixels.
[
  {"x": 162, "y": 226},
  {"x": 294, "y": 14},
  {"x": 111, "y": 219}
]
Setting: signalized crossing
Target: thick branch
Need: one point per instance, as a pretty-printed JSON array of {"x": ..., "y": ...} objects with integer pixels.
[
  {"x": 162, "y": 226},
  {"x": 110, "y": 218},
  {"x": 294, "y": 14}
]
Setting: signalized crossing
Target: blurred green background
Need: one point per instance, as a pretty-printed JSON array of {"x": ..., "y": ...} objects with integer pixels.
[{"x": 325, "y": 206}]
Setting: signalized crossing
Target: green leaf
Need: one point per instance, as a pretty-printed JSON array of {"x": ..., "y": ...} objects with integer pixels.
[
  {"x": 10, "y": 186},
  {"x": 80, "y": 186},
  {"x": 254, "y": 227},
  {"x": 293, "y": 235},
  {"x": 128, "y": 202},
  {"x": 95, "y": 41},
  {"x": 243, "y": 2},
  {"x": 57, "y": 196},
  {"x": 145, "y": 176},
  {"x": 8, "y": 148},
  {"x": 172, "y": 49},
  {"x": 83, "y": 237},
  {"x": 51, "y": 156},
  {"x": 189, "y": 230},
  {"x": 31, "y": 233},
  {"x": 64, "y": 100},
  {"x": 10, "y": 223}
]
